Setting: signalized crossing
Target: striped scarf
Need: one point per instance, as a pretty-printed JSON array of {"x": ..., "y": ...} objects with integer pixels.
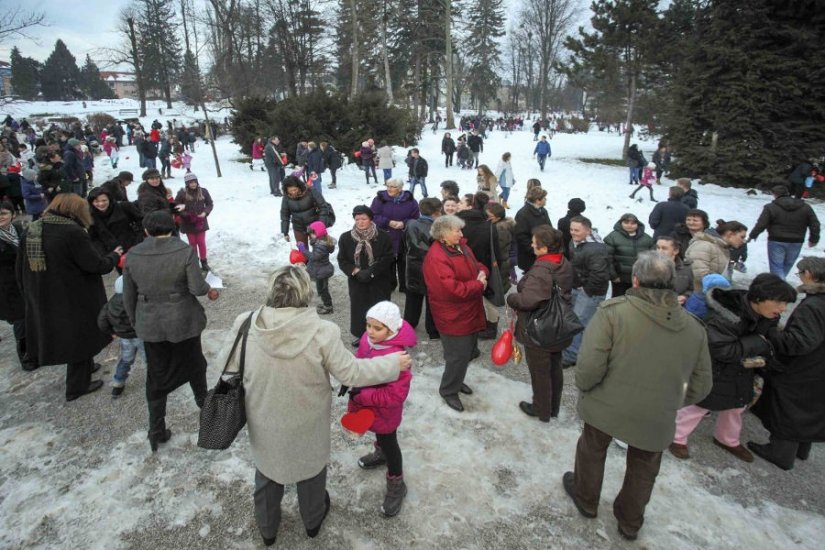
[{"x": 34, "y": 240}]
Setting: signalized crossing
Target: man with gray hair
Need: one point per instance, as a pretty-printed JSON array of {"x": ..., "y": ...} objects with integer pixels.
[{"x": 642, "y": 358}]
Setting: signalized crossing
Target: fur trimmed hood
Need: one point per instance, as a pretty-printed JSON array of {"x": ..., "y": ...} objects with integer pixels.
[{"x": 813, "y": 288}]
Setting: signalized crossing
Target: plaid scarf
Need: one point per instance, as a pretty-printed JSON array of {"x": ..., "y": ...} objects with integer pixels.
[
  {"x": 363, "y": 238},
  {"x": 34, "y": 240}
]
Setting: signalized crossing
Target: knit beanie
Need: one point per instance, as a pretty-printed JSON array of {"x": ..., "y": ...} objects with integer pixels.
[
  {"x": 714, "y": 280},
  {"x": 190, "y": 177},
  {"x": 363, "y": 209},
  {"x": 319, "y": 229},
  {"x": 386, "y": 313}
]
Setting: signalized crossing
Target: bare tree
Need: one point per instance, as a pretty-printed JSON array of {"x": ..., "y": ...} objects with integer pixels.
[
  {"x": 128, "y": 52},
  {"x": 15, "y": 21}
]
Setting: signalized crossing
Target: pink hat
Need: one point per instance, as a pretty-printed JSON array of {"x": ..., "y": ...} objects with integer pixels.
[{"x": 318, "y": 228}]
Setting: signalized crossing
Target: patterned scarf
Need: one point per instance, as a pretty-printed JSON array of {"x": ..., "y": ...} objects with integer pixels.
[
  {"x": 10, "y": 235},
  {"x": 363, "y": 238},
  {"x": 34, "y": 240}
]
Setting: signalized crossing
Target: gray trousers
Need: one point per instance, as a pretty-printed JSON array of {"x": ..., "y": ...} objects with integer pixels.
[
  {"x": 458, "y": 352},
  {"x": 268, "y": 496}
]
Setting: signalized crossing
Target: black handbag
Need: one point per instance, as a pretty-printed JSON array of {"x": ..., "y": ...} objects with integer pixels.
[
  {"x": 495, "y": 285},
  {"x": 224, "y": 412},
  {"x": 554, "y": 324}
]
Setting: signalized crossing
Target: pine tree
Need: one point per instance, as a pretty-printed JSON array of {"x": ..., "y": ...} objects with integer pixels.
[
  {"x": 190, "y": 83},
  {"x": 160, "y": 46},
  {"x": 60, "y": 79},
  {"x": 748, "y": 103},
  {"x": 25, "y": 75},
  {"x": 486, "y": 23},
  {"x": 91, "y": 84}
]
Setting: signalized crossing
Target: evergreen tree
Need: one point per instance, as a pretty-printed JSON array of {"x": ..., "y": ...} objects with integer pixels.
[
  {"x": 91, "y": 84},
  {"x": 190, "y": 83},
  {"x": 160, "y": 46},
  {"x": 748, "y": 101},
  {"x": 486, "y": 24},
  {"x": 60, "y": 79},
  {"x": 25, "y": 75}
]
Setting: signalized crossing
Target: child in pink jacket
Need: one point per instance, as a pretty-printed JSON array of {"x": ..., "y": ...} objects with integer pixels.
[
  {"x": 646, "y": 181},
  {"x": 386, "y": 333}
]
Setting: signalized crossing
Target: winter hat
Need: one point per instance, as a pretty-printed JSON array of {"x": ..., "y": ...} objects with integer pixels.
[
  {"x": 319, "y": 229},
  {"x": 73, "y": 142},
  {"x": 151, "y": 173},
  {"x": 386, "y": 313},
  {"x": 651, "y": 165},
  {"x": 780, "y": 191},
  {"x": 190, "y": 177},
  {"x": 576, "y": 205},
  {"x": 363, "y": 209},
  {"x": 365, "y": 144},
  {"x": 714, "y": 280},
  {"x": 126, "y": 176}
]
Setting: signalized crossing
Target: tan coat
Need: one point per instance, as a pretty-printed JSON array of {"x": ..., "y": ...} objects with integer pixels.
[
  {"x": 709, "y": 254},
  {"x": 290, "y": 354}
]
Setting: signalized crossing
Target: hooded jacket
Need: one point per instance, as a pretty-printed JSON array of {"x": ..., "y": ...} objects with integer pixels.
[
  {"x": 787, "y": 219},
  {"x": 528, "y": 217},
  {"x": 318, "y": 265},
  {"x": 290, "y": 354},
  {"x": 308, "y": 207},
  {"x": 418, "y": 240},
  {"x": 642, "y": 358},
  {"x": 385, "y": 209},
  {"x": 690, "y": 199},
  {"x": 708, "y": 254},
  {"x": 623, "y": 250},
  {"x": 385, "y": 400},
  {"x": 666, "y": 215},
  {"x": 451, "y": 276},
  {"x": 592, "y": 264}
]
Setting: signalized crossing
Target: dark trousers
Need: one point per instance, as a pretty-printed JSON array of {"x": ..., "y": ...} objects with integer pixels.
[
  {"x": 398, "y": 271},
  {"x": 547, "y": 380},
  {"x": 641, "y": 470},
  {"x": 412, "y": 312},
  {"x": 458, "y": 352},
  {"x": 78, "y": 377},
  {"x": 301, "y": 237},
  {"x": 275, "y": 177},
  {"x": 784, "y": 451},
  {"x": 322, "y": 286},
  {"x": 268, "y": 496},
  {"x": 392, "y": 452},
  {"x": 165, "y": 167},
  {"x": 448, "y": 159},
  {"x": 332, "y": 173},
  {"x": 370, "y": 167},
  {"x": 640, "y": 187},
  {"x": 620, "y": 288}
]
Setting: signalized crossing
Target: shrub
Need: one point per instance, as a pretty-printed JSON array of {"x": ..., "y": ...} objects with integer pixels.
[
  {"x": 98, "y": 121},
  {"x": 579, "y": 125}
]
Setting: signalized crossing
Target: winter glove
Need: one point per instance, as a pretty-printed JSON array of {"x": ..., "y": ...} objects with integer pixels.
[
  {"x": 342, "y": 390},
  {"x": 364, "y": 276}
]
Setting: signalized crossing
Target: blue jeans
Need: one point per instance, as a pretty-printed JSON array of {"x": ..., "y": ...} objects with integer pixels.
[
  {"x": 417, "y": 181},
  {"x": 781, "y": 257},
  {"x": 149, "y": 163},
  {"x": 129, "y": 348},
  {"x": 634, "y": 175},
  {"x": 387, "y": 173},
  {"x": 542, "y": 158},
  {"x": 505, "y": 193},
  {"x": 318, "y": 184},
  {"x": 585, "y": 307}
]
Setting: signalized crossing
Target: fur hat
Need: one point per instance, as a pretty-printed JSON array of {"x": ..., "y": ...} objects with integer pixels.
[
  {"x": 386, "y": 313},
  {"x": 363, "y": 209},
  {"x": 318, "y": 228},
  {"x": 576, "y": 205},
  {"x": 151, "y": 173},
  {"x": 190, "y": 177}
]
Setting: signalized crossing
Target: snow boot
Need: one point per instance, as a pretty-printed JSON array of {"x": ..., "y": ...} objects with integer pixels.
[
  {"x": 373, "y": 459},
  {"x": 323, "y": 310},
  {"x": 204, "y": 265},
  {"x": 396, "y": 491},
  {"x": 332, "y": 186},
  {"x": 117, "y": 389},
  {"x": 312, "y": 533}
]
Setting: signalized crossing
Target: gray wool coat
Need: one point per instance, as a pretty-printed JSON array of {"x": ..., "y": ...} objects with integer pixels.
[{"x": 161, "y": 279}]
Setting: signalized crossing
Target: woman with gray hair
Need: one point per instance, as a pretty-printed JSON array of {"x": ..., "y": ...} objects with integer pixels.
[
  {"x": 455, "y": 285},
  {"x": 791, "y": 406},
  {"x": 392, "y": 210},
  {"x": 290, "y": 353}
]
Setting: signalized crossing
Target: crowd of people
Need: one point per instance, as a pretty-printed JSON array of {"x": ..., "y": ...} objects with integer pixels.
[{"x": 458, "y": 259}]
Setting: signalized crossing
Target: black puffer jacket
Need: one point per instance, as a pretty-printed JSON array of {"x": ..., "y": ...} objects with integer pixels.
[
  {"x": 690, "y": 199},
  {"x": 418, "y": 240},
  {"x": 590, "y": 260},
  {"x": 118, "y": 225},
  {"x": 527, "y": 218},
  {"x": 310, "y": 206},
  {"x": 787, "y": 219},
  {"x": 734, "y": 330}
]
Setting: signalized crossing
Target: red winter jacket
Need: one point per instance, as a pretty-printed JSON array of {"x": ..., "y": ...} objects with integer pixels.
[
  {"x": 385, "y": 400},
  {"x": 257, "y": 150},
  {"x": 453, "y": 289}
]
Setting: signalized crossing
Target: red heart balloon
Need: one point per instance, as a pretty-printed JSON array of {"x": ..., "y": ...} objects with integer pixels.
[
  {"x": 358, "y": 422},
  {"x": 502, "y": 349}
]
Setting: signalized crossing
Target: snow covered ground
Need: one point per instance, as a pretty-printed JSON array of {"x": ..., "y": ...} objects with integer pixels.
[{"x": 81, "y": 474}]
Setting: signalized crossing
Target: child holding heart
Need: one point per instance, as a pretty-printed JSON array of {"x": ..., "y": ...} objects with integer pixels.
[{"x": 386, "y": 333}]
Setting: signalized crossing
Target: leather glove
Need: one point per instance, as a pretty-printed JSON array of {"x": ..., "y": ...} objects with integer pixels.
[{"x": 364, "y": 276}]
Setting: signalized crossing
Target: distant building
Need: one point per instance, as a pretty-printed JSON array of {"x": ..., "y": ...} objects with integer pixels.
[
  {"x": 122, "y": 84},
  {"x": 5, "y": 79}
]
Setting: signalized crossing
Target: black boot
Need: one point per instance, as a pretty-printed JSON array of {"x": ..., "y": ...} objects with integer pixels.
[
  {"x": 204, "y": 265},
  {"x": 490, "y": 332},
  {"x": 804, "y": 450},
  {"x": 778, "y": 452}
]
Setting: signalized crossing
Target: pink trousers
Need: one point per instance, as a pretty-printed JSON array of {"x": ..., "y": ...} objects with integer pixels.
[
  {"x": 728, "y": 424},
  {"x": 198, "y": 242}
]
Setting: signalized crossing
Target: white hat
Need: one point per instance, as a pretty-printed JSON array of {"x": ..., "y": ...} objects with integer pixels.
[{"x": 386, "y": 313}]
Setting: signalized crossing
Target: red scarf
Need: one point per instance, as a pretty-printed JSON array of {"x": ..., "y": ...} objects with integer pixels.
[{"x": 554, "y": 258}]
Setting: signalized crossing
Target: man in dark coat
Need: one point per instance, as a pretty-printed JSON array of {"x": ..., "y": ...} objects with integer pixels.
[
  {"x": 575, "y": 207},
  {"x": 150, "y": 153},
  {"x": 786, "y": 219},
  {"x": 666, "y": 215},
  {"x": 392, "y": 210},
  {"x": 365, "y": 256},
  {"x": 315, "y": 163},
  {"x": 796, "y": 181},
  {"x": 73, "y": 167},
  {"x": 531, "y": 215},
  {"x": 12, "y": 307},
  {"x": 60, "y": 272},
  {"x": 791, "y": 406},
  {"x": 274, "y": 165},
  {"x": 690, "y": 198},
  {"x": 476, "y": 145},
  {"x": 417, "y": 240}
]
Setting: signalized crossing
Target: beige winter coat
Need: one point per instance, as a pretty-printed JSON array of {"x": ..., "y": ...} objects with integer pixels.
[
  {"x": 385, "y": 161},
  {"x": 709, "y": 254},
  {"x": 290, "y": 354}
]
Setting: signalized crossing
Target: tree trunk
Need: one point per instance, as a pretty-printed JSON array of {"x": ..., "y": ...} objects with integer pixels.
[
  {"x": 387, "y": 75},
  {"x": 212, "y": 141},
  {"x": 631, "y": 104},
  {"x": 448, "y": 65},
  {"x": 355, "y": 60},
  {"x": 136, "y": 62}
]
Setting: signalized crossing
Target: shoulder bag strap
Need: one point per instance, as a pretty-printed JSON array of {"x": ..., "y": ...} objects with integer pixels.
[
  {"x": 243, "y": 332},
  {"x": 493, "y": 259}
]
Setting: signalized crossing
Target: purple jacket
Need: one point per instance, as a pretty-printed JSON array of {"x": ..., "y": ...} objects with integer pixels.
[
  {"x": 385, "y": 400},
  {"x": 401, "y": 208},
  {"x": 367, "y": 156}
]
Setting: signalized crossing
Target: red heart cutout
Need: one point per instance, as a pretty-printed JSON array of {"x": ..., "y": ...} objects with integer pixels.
[{"x": 358, "y": 422}]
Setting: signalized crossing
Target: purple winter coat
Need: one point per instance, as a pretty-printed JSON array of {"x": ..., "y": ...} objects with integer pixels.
[
  {"x": 401, "y": 208},
  {"x": 367, "y": 156},
  {"x": 385, "y": 400}
]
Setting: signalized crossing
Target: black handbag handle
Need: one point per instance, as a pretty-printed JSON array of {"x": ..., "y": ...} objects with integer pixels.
[
  {"x": 243, "y": 332},
  {"x": 493, "y": 259}
]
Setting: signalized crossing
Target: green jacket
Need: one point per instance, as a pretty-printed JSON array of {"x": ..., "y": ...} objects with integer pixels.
[
  {"x": 623, "y": 249},
  {"x": 643, "y": 357}
]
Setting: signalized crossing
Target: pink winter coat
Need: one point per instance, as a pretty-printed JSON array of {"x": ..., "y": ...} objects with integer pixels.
[
  {"x": 385, "y": 400},
  {"x": 257, "y": 150},
  {"x": 647, "y": 177}
]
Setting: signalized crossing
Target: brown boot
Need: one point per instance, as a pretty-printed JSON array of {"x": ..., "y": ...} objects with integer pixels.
[
  {"x": 739, "y": 451},
  {"x": 679, "y": 451}
]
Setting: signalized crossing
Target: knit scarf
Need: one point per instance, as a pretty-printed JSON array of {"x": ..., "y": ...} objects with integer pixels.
[
  {"x": 10, "y": 235},
  {"x": 34, "y": 240},
  {"x": 362, "y": 238}
]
